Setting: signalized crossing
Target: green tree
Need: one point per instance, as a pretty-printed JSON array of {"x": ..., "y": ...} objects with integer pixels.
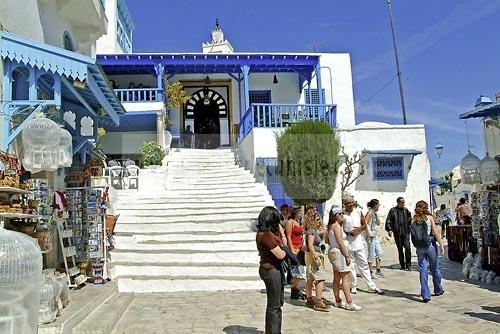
[
  {"x": 308, "y": 161},
  {"x": 176, "y": 96}
]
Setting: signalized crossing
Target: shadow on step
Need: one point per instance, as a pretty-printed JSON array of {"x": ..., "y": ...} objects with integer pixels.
[{"x": 237, "y": 329}]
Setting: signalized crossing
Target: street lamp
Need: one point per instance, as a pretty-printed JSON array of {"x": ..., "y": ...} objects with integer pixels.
[{"x": 439, "y": 149}]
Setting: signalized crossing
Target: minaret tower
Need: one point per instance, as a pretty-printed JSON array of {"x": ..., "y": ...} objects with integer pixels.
[{"x": 218, "y": 44}]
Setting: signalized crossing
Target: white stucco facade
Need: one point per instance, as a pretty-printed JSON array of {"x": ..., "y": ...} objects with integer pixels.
[{"x": 261, "y": 143}]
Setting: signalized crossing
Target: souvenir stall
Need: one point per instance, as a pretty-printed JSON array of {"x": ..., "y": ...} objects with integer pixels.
[
  {"x": 484, "y": 174},
  {"x": 52, "y": 102}
]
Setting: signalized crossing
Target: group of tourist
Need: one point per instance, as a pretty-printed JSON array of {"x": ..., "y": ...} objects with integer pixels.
[{"x": 291, "y": 240}]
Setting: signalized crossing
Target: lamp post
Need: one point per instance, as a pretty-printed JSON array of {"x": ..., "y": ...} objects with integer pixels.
[{"x": 439, "y": 149}]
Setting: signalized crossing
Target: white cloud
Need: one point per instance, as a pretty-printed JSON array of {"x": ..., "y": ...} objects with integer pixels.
[{"x": 465, "y": 13}]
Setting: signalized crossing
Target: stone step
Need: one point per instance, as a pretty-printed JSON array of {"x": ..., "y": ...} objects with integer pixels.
[
  {"x": 200, "y": 187},
  {"x": 210, "y": 181},
  {"x": 193, "y": 205},
  {"x": 191, "y": 237},
  {"x": 207, "y": 172},
  {"x": 239, "y": 257},
  {"x": 82, "y": 303},
  {"x": 208, "y": 213},
  {"x": 184, "y": 246},
  {"x": 159, "y": 270},
  {"x": 257, "y": 190},
  {"x": 173, "y": 219},
  {"x": 166, "y": 197},
  {"x": 159, "y": 228},
  {"x": 208, "y": 162},
  {"x": 167, "y": 285},
  {"x": 104, "y": 318}
]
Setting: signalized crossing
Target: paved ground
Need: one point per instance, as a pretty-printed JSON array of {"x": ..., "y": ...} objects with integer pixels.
[{"x": 466, "y": 307}]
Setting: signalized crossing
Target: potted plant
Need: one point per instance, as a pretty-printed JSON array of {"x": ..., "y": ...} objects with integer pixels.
[
  {"x": 176, "y": 97},
  {"x": 152, "y": 154}
]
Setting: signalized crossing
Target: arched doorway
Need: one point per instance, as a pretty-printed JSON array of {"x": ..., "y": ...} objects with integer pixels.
[{"x": 205, "y": 108}]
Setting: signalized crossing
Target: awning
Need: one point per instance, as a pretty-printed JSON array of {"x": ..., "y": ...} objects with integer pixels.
[
  {"x": 392, "y": 152},
  {"x": 492, "y": 109},
  {"x": 96, "y": 91},
  {"x": 185, "y": 63},
  {"x": 434, "y": 182}
]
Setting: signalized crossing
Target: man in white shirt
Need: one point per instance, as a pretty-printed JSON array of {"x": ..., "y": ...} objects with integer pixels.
[{"x": 354, "y": 224}]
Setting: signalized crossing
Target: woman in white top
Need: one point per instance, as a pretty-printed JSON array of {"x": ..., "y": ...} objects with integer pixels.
[{"x": 339, "y": 257}]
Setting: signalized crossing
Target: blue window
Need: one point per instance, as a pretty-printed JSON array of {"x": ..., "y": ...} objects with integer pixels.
[
  {"x": 388, "y": 168},
  {"x": 259, "y": 96}
]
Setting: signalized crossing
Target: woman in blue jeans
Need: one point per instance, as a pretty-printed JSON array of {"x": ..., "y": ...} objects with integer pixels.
[
  {"x": 428, "y": 255},
  {"x": 269, "y": 245}
]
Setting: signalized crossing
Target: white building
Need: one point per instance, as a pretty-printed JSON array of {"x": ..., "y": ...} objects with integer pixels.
[
  {"x": 47, "y": 64},
  {"x": 255, "y": 95}
]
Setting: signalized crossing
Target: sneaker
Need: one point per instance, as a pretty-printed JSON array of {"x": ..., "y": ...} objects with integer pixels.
[
  {"x": 352, "y": 307},
  {"x": 377, "y": 291},
  {"x": 340, "y": 304},
  {"x": 321, "y": 307},
  {"x": 380, "y": 273},
  {"x": 439, "y": 293},
  {"x": 354, "y": 291},
  {"x": 373, "y": 276},
  {"x": 310, "y": 302},
  {"x": 408, "y": 268},
  {"x": 426, "y": 300}
]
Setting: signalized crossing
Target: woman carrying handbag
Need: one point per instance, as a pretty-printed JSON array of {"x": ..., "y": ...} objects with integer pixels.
[{"x": 272, "y": 252}]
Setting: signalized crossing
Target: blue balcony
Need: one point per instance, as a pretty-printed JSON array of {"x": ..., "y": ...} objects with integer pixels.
[
  {"x": 138, "y": 95},
  {"x": 273, "y": 115}
]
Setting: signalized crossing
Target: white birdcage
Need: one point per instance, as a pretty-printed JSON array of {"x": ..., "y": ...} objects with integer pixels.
[
  {"x": 469, "y": 169},
  {"x": 20, "y": 282},
  {"x": 65, "y": 149},
  {"x": 489, "y": 170}
]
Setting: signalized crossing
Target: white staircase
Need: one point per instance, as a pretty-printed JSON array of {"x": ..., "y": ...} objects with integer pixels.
[{"x": 198, "y": 235}]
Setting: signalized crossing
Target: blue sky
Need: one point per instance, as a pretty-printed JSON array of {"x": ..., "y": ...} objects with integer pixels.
[{"x": 448, "y": 48}]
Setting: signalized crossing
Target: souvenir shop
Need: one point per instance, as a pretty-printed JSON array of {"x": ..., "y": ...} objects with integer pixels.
[
  {"x": 52, "y": 216},
  {"x": 481, "y": 237}
]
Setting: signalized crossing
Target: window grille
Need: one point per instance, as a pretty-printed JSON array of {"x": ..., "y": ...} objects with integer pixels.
[
  {"x": 313, "y": 97},
  {"x": 260, "y": 96},
  {"x": 388, "y": 168}
]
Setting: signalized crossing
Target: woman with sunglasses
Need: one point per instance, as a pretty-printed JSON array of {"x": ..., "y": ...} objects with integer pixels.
[{"x": 339, "y": 257}]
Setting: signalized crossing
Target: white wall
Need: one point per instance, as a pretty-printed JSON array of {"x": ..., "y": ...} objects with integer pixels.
[
  {"x": 261, "y": 143},
  {"x": 336, "y": 80},
  {"x": 374, "y": 136},
  {"x": 126, "y": 142},
  {"x": 108, "y": 43}
]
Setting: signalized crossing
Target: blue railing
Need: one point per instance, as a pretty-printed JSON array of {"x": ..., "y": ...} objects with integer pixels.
[
  {"x": 270, "y": 115},
  {"x": 139, "y": 95}
]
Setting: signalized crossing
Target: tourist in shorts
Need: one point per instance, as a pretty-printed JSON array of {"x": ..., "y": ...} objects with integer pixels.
[
  {"x": 315, "y": 260},
  {"x": 339, "y": 257}
]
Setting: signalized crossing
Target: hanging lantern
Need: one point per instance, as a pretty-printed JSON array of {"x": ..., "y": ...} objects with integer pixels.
[
  {"x": 20, "y": 282},
  {"x": 469, "y": 169},
  {"x": 489, "y": 170}
]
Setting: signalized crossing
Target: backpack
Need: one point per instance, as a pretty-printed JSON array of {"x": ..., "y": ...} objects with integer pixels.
[{"x": 419, "y": 235}]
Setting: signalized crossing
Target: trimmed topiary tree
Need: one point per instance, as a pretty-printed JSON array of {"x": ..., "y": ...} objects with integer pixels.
[{"x": 308, "y": 161}]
